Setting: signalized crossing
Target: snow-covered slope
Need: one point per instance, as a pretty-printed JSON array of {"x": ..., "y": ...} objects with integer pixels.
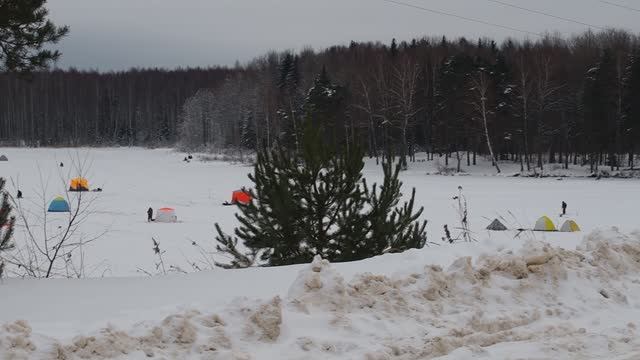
[{"x": 531, "y": 300}]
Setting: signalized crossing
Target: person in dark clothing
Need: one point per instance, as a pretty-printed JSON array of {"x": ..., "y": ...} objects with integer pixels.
[
  {"x": 19, "y": 194},
  {"x": 149, "y": 215},
  {"x": 564, "y": 208},
  {"x": 61, "y": 165}
]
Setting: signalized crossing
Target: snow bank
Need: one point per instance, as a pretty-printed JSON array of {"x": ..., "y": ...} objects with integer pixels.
[{"x": 538, "y": 301}]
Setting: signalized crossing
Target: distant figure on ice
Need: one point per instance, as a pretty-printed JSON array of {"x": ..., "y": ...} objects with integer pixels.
[
  {"x": 149, "y": 215},
  {"x": 186, "y": 159},
  {"x": 19, "y": 194},
  {"x": 190, "y": 157},
  {"x": 61, "y": 164},
  {"x": 564, "y": 208}
]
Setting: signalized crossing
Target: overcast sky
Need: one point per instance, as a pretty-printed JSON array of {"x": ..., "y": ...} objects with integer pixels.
[{"x": 119, "y": 34}]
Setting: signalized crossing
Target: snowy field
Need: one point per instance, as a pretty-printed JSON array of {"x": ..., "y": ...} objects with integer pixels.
[
  {"x": 537, "y": 296},
  {"x": 135, "y": 179}
]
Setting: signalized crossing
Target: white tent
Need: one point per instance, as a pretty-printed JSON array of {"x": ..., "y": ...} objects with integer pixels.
[{"x": 166, "y": 215}]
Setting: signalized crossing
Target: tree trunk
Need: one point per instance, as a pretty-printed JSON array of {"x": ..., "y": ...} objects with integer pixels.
[
  {"x": 486, "y": 133},
  {"x": 521, "y": 163}
]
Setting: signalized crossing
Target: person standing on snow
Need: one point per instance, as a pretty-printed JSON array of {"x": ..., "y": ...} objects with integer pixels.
[
  {"x": 149, "y": 215},
  {"x": 564, "y": 208}
]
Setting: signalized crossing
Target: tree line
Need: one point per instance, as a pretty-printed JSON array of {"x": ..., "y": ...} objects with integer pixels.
[
  {"x": 73, "y": 108},
  {"x": 553, "y": 100},
  {"x": 566, "y": 100}
]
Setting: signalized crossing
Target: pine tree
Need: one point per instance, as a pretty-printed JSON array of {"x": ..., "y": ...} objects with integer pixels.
[
  {"x": 452, "y": 103},
  {"x": 288, "y": 85},
  {"x": 325, "y": 105},
  {"x": 24, "y": 31},
  {"x": 504, "y": 89},
  {"x": 6, "y": 224},
  {"x": 319, "y": 204},
  {"x": 600, "y": 107},
  {"x": 394, "y": 48},
  {"x": 248, "y": 132},
  {"x": 632, "y": 106}
]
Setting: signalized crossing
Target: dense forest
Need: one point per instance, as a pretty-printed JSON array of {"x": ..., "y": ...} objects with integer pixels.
[
  {"x": 552, "y": 100},
  {"x": 70, "y": 108}
]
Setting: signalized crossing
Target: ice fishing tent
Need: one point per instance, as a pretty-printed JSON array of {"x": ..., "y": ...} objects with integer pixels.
[
  {"x": 79, "y": 184},
  {"x": 545, "y": 224},
  {"x": 240, "y": 197},
  {"x": 570, "y": 226},
  {"x": 3, "y": 158},
  {"x": 496, "y": 225},
  {"x": 166, "y": 215},
  {"x": 59, "y": 204}
]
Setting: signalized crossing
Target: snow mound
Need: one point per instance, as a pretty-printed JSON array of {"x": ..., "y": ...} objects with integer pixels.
[
  {"x": 15, "y": 340},
  {"x": 266, "y": 321},
  {"x": 537, "y": 302},
  {"x": 500, "y": 299},
  {"x": 318, "y": 286},
  {"x": 187, "y": 333}
]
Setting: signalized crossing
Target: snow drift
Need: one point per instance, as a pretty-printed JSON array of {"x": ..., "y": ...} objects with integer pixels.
[{"x": 538, "y": 302}]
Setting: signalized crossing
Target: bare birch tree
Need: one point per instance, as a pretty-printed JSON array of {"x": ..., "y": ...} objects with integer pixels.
[
  {"x": 546, "y": 99},
  {"x": 524, "y": 91},
  {"x": 481, "y": 88},
  {"x": 403, "y": 92},
  {"x": 367, "y": 107}
]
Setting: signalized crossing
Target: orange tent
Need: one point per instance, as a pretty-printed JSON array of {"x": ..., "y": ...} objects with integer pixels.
[
  {"x": 79, "y": 184},
  {"x": 241, "y": 197}
]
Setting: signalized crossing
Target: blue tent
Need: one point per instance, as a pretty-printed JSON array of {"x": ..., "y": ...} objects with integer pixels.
[{"x": 59, "y": 204}]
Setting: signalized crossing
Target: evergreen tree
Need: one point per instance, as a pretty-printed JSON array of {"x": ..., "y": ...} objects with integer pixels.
[
  {"x": 319, "y": 204},
  {"x": 452, "y": 103},
  {"x": 504, "y": 90},
  {"x": 325, "y": 105},
  {"x": 289, "y": 103},
  {"x": 248, "y": 131},
  {"x": 24, "y": 32},
  {"x": 394, "y": 48},
  {"x": 632, "y": 106},
  {"x": 600, "y": 107},
  {"x": 6, "y": 224}
]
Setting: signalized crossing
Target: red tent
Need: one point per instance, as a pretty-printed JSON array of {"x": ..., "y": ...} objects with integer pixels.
[{"x": 241, "y": 197}]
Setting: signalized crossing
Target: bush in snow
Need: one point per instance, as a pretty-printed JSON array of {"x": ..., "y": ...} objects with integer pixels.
[{"x": 318, "y": 203}]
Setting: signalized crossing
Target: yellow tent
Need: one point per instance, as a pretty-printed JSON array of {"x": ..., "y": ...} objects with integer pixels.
[
  {"x": 545, "y": 224},
  {"x": 79, "y": 184},
  {"x": 569, "y": 226}
]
